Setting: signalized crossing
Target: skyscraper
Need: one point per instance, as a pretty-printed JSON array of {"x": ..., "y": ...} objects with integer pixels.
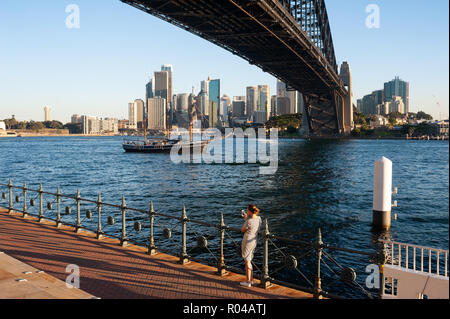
[
  {"x": 252, "y": 101},
  {"x": 397, "y": 87},
  {"x": 132, "y": 115},
  {"x": 47, "y": 116},
  {"x": 169, "y": 69},
  {"x": 214, "y": 102},
  {"x": 264, "y": 99},
  {"x": 161, "y": 85},
  {"x": 139, "y": 107},
  {"x": 157, "y": 113},
  {"x": 283, "y": 105},
  {"x": 281, "y": 88}
]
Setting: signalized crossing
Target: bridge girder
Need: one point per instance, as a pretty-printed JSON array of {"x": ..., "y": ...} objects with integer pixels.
[{"x": 275, "y": 35}]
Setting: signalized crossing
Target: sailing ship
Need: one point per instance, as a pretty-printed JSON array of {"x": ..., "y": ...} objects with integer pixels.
[{"x": 165, "y": 144}]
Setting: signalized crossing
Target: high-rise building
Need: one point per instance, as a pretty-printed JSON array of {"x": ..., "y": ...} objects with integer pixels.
[
  {"x": 281, "y": 88},
  {"x": 251, "y": 101},
  {"x": 214, "y": 102},
  {"x": 157, "y": 112},
  {"x": 183, "y": 102},
  {"x": 225, "y": 105},
  {"x": 161, "y": 85},
  {"x": 47, "y": 116},
  {"x": 149, "y": 90},
  {"x": 132, "y": 115},
  {"x": 397, "y": 105},
  {"x": 259, "y": 117},
  {"x": 238, "y": 109},
  {"x": 75, "y": 119},
  {"x": 397, "y": 87},
  {"x": 293, "y": 100},
  {"x": 273, "y": 102},
  {"x": 169, "y": 69},
  {"x": 283, "y": 105},
  {"x": 139, "y": 113},
  {"x": 264, "y": 99}
]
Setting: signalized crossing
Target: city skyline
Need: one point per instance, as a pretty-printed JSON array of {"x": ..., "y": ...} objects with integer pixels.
[{"x": 74, "y": 72}]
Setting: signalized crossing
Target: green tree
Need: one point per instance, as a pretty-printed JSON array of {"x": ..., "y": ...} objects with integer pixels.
[{"x": 424, "y": 116}]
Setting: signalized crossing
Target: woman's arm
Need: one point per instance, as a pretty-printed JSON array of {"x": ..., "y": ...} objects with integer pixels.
[{"x": 244, "y": 227}]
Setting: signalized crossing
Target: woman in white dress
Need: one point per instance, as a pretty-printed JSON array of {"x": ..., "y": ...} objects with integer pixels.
[{"x": 251, "y": 228}]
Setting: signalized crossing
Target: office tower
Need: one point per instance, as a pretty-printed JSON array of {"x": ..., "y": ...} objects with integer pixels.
[
  {"x": 264, "y": 99},
  {"x": 359, "y": 104},
  {"x": 369, "y": 106},
  {"x": 238, "y": 109},
  {"x": 225, "y": 103},
  {"x": 346, "y": 77},
  {"x": 281, "y": 88},
  {"x": 139, "y": 113},
  {"x": 161, "y": 85},
  {"x": 259, "y": 117},
  {"x": 293, "y": 100},
  {"x": 47, "y": 116},
  {"x": 379, "y": 97},
  {"x": 283, "y": 105},
  {"x": 132, "y": 115},
  {"x": 251, "y": 101},
  {"x": 75, "y": 119},
  {"x": 169, "y": 69},
  {"x": 149, "y": 90},
  {"x": 397, "y": 87},
  {"x": 204, "y": 102},
  {"x": 214, "y": 101},
  {"x": 273, "y": 102},
  {"x": 157, "y": 113},
  {"x": 182, "y": 102}
]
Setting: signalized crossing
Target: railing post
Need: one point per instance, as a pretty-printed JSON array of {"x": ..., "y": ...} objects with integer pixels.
[
  {"x": 221, "y": 268},
  {"x": 58, "y": 207},
  {"x": 151, "y": 244},
  {"x": 124, "y": 239},
  {"x": 25, "y": 208},
  {"x": 78, "y": 225},
  {"x": 41, "y": 203},
  {"x": 99, "y": 221},
  {"x": 10, "y": 187},
  {"x": 265, "y": 282},
  {"x": 318, "y": 285},
  {"x": 183, "y": 254}
]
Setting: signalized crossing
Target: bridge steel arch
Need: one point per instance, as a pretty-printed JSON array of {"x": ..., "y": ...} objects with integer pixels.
[{"x": 290, "y": 39}]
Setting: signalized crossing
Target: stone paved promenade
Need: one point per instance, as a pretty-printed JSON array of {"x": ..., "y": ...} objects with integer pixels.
[{"x": 110, "y": 271}]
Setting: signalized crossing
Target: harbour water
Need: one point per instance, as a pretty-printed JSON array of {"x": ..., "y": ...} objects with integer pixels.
[{"x": 320, "y": 183}]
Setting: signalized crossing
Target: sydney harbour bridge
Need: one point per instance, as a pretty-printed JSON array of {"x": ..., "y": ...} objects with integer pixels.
[{"x": 290, "y": 39}]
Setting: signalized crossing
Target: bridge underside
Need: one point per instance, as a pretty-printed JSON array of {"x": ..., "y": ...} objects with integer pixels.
[{"x": 266, "y": 35}]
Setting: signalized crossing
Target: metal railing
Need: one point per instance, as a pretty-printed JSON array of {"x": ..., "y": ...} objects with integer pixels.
[
  {"x": 182, "y": 226},
  {"x": 417, "y": 258}
]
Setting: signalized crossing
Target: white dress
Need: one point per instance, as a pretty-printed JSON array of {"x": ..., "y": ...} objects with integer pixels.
[{"x": 250, "y": 237}]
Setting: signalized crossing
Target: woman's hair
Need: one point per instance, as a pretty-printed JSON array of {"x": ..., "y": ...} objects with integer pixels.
[{"x": 253, "y": 208}]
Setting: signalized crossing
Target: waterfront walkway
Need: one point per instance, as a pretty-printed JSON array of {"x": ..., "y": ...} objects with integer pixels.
[{"x": 110, "y": 271}]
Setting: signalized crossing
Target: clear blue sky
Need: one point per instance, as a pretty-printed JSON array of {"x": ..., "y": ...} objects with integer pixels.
[{"x": 99, "y": 68}]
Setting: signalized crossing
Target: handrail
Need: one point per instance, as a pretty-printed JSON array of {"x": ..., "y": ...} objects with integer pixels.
[{"x": 290, "y": 262}]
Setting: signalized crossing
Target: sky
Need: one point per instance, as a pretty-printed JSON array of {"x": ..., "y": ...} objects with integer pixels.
[{"x": 100, "y": 67}]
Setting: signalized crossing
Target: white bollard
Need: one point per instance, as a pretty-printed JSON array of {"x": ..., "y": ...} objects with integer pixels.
[{"x": 382, "y": 194}]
